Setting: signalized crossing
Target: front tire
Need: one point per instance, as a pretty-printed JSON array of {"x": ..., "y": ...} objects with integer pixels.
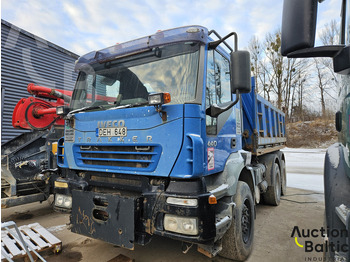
[{"x": 237, "y": 243}]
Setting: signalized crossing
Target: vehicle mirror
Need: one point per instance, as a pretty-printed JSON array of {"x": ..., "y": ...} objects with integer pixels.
[
  {"x": 298, "y": 25},
  {"x": 338, "y": 121},
  {"x": 240, "y": 72}
]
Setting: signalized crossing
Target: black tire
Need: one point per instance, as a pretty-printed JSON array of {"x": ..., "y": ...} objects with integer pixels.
[
  {"x": 237, "y": 243},
  {"x": 283, "y": 178},
  {"x": 272, "y": 196},
  {"x": 336, "y": 192}
]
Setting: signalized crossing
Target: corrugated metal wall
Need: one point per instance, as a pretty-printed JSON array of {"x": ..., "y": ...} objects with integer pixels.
[{"x": 26, "y": 58}]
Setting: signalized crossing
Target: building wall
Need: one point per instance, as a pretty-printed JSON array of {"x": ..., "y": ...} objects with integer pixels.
[{"x": 26, "y": 58}]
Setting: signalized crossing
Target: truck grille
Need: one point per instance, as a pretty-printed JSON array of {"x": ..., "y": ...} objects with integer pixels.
[{"x": 118, "y": 157}]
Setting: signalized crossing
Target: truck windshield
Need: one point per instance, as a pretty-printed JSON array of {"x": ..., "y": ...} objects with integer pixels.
[{"x": 129, "y": 80}]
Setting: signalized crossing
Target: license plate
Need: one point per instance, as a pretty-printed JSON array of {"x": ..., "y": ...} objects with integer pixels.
[{"x": 112, "y": 131}]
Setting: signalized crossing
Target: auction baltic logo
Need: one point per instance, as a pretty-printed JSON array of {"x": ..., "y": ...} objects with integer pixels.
[{"x": 310, "y": 246}]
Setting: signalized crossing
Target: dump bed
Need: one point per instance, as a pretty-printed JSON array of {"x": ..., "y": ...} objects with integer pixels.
[{"x": 263, "y": 124}]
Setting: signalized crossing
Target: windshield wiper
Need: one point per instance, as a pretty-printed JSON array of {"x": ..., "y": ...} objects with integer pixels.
[
  {"x": 87, "y": 108},
  {"x": 128, "y": 106},
  {"x": 83, "y": 109}
]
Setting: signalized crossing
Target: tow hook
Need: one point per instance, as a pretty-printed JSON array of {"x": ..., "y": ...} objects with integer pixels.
[{"x": 186, "y": 247}]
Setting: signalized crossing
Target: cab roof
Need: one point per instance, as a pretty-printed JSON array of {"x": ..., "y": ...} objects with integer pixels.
[{"x": 181, "y": 34}]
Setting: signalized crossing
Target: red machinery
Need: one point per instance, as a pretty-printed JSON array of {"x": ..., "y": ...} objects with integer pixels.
[
  {"x": 28, "y": 164},
  {"x": 38, "y": 114}
]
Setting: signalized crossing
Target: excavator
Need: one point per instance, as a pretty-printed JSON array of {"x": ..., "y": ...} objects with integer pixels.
[{"x": 28, "y": 161}]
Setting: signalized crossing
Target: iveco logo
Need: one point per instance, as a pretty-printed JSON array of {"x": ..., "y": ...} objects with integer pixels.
[{"x": 114, "y": 123}]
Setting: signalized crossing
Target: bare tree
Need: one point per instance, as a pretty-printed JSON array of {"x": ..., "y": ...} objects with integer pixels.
[
  {"x": 256, "y": 50},
  {"x": 327, "y": 80},
  {"x": 330, "y": 34},
  {"x": 322, "y": 83},
  {"x": 275, "y": 64},
  {"x": 277, "y": 78}
]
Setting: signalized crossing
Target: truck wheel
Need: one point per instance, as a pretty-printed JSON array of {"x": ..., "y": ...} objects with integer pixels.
[
  {"x": 336, "y": 193},
  {"x": 272, "y": 196},
  {"x": 283, "y": 178},
  {"x": 237, "y": 243}
]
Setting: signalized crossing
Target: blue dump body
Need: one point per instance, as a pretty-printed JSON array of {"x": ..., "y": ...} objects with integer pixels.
[{"x": 263, "y": 124}]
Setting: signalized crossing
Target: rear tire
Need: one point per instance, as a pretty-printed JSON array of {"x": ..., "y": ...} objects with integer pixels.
[
  {"x": 272, "y": 196},
  {"x": 237, "y": 243},
  {"x": 283, "y": 178}
]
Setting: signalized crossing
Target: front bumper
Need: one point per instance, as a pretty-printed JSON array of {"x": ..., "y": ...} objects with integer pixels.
[{"x": 132, "y": 211}]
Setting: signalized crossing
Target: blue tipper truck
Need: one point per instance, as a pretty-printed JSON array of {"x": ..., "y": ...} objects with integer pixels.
[{"x": 165, "y": 136}]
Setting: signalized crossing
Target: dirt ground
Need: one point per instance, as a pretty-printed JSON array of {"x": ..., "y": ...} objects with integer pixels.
[{"x": 273, "y": 229}]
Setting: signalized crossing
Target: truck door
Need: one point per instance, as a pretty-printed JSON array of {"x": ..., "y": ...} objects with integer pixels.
[{"x": 220, "y": 131}]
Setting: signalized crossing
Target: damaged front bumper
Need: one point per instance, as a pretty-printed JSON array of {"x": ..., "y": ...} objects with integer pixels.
[{"x": 126, "y": 210}]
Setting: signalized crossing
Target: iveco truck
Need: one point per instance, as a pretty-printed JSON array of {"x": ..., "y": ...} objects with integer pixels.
[{"x": 165, "y": 136}]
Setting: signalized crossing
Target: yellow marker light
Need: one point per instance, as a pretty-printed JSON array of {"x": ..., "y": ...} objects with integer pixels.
[
  {"x": 61, "y": 184},
  {"x": 166, "y": 98},
  {"x": 212, "y": 200}
]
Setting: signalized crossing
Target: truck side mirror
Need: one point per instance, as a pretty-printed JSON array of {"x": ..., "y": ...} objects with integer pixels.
[
  {"x": 299, "y": 30},
  {"x": 240, "y": 72},
  {"x": 298, "y": 25},
  {"x": 338, "y": 121}
]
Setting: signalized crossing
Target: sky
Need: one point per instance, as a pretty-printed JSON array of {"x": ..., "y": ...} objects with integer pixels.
[{"x": 82, "y": 26}]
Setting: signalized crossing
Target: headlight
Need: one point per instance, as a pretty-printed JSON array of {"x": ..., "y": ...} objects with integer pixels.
[
  {"x": 182, "y": 225},
  {"x": 182, "y": 201},
  {"x": 63, "y": 201},
  {"x": 67, "y": 202},
  {"x": 59, "y": 200}
]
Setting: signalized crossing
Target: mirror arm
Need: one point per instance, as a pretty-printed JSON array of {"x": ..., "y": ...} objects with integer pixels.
[
  {"x": 213, "y": 45},
  {"x": 215, "y": 110},
  {"x": 320, "y": 51},
  {"x": 238, "y": 96}
]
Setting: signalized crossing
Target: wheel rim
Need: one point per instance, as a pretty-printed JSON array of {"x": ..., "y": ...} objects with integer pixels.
[{"x": 246, "y": 221}]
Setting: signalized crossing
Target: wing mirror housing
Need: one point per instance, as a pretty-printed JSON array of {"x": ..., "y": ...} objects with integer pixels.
[
  {"x": 240, "y": 72},
  {"x": 298, "y": 25}
]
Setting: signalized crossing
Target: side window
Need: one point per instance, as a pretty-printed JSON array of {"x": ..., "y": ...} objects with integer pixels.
[
  {"x": 218, "y": 88},
  {"x": 113, "y": 90},
  {"x": 89, "y": 93}
]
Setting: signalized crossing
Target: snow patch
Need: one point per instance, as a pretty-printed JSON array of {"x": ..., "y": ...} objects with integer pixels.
[
  {"x": 305, "y": 181},
  {"x": 56, "y": 228}
]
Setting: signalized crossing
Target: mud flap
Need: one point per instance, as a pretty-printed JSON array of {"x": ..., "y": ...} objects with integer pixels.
[{"x": 107, "y": 217}]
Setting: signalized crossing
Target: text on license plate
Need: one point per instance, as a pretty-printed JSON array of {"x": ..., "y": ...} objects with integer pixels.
[{"x": 112, "y": 131}]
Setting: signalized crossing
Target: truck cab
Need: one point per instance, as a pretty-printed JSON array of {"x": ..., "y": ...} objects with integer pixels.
[{"x": 153, "y": 144}]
